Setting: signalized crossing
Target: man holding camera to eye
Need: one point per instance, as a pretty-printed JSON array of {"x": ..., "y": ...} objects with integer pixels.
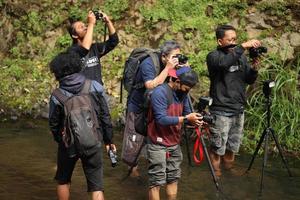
[
  {"x": 169, "y": 109},
  {"x": 90, "y": 52},
  {"x": 229, "y": 73}
]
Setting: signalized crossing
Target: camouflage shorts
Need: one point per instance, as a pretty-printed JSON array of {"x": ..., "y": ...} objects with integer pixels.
[
  {"x": 164, "y": 164},
  {"x": 227, "y": 133}
]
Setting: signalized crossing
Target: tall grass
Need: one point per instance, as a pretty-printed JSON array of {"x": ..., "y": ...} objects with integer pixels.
[{"x": 285, "y": 107}]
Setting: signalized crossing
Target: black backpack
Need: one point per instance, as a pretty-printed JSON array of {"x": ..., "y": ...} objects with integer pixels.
[
  {"x": 81, "y": 125},
  {"x": 132, "y": 65}
]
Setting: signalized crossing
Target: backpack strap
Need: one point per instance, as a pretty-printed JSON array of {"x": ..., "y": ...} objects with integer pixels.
[
  {"x": 155, "y": 61},
  {"x": 62, "y": 98},
  {"x": 86, "y": 87},
  {"x": 169, "y": 94}
]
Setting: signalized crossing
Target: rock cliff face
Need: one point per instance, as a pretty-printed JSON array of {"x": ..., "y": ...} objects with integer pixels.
[
  {"x": 34, "y": 31},
  {"x": 279, "y": 31}
]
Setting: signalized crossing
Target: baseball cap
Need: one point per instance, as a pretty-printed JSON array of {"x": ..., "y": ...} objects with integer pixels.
[{"x": 176, "y": 73}]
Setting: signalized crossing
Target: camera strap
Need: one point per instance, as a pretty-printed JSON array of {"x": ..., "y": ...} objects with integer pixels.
[{"x": 198, "y": 147}]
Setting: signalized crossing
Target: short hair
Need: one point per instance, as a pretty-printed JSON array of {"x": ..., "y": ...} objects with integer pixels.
[
  {"x": 168, "y": 46},
  {"x": 221, "y": 29},
  {"x": 189, "y": 78},
  {"x": 65, "y": 64}
]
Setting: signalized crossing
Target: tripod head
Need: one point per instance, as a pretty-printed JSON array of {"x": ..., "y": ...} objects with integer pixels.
[{"x": 268, "y": 85}]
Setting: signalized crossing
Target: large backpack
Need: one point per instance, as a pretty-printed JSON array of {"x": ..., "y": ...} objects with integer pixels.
[
  {"x": 132, "y": 65},
  {"x": 81, "y": 125},
  {"x": 133, "y": 141}
]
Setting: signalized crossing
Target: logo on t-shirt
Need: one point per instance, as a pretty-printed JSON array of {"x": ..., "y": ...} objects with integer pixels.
[
  {"x": 92, "y": 61},
  {"x": 234, "y": 68}
]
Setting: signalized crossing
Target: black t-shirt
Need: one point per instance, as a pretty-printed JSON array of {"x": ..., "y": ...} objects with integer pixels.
[{"x": 91, "y": 58}]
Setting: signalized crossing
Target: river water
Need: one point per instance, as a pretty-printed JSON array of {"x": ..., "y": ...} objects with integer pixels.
[{"x": 28, "y": 162}]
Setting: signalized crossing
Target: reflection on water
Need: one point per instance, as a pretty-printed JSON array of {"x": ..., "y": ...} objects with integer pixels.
[{"x": 27, "y": 165}]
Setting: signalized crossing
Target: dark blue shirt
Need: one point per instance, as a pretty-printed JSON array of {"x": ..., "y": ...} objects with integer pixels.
[
  {"x": 145, "y": 73},
  {"x": 160, "y": 105},
  {"x": 163, "y": 118}
]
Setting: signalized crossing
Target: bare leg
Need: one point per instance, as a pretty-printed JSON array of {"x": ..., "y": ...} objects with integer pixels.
[
  {"x": 135, "y": 172},
  {"x": 97, "y": 195},
  {"x": 171, "y": 190},
  {"x": 63, "y": 191},
  {"x": 154, "y": 193}
]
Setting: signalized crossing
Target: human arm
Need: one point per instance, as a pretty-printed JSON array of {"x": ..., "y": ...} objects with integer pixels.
[
  {"x": 88, "y": 38},
  {"x": 159, "y": 103},
  {"x": 149, "y": 75},
  {"x": 56, "y": 119},
  {"x": 219, "y": 60},
  {"x": 113, "y": 39},
  {"x": 190, "y": 117}
]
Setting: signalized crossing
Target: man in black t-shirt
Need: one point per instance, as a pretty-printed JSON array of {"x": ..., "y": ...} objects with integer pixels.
[{"x": 90, "y": 52}]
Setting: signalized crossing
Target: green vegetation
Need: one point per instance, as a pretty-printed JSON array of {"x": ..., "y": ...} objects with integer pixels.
[
  {"x": 37, "y": 31},
  {"x": 285, "y": 109}
]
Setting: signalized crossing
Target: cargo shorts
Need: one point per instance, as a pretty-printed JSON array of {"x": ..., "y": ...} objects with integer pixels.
[
  {"x": 164, "y": 164},
  {"x": 226, "y": 133}
]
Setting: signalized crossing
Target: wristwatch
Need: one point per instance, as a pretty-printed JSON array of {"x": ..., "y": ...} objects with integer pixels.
[{"x": 185, "y": 119}]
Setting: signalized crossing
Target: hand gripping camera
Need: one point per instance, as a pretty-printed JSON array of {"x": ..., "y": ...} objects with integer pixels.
[
  {"x": 257, "y": 52},
  {"x": 182, "y": 59},
  {"x": 98, "y": 15},
  {"x": 202, "y": 104}
]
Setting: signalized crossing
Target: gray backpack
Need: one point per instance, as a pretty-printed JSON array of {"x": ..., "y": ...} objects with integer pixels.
[{"x": 81, "y": 125}]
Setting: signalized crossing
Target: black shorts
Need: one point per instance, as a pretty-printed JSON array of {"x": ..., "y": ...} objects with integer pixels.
[{"x": 92, "y": 167}]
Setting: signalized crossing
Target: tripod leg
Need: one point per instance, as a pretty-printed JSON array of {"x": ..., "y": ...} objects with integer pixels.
[
  {"x": 256, "y": 150},
  {"x": 280, "y": 152},
  {"x": 265, "y": 159},
  {"x": 187, "y": 147},
  {"x": 212, "y": 171}
]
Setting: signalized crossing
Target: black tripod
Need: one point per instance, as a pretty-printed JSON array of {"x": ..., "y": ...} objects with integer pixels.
[
  {"x": 265, "y": 136},
  {"x": 215, "y": 179}
]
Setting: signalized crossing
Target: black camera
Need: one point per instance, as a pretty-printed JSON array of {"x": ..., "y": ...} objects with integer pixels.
[
  {"x": 182, "y": 59},
  {"x": 98, "y": 15},
  {"x": 202, "y": 104},
  {"x": 113, "y": 157},
  {"x": 256, "y": 52}
]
